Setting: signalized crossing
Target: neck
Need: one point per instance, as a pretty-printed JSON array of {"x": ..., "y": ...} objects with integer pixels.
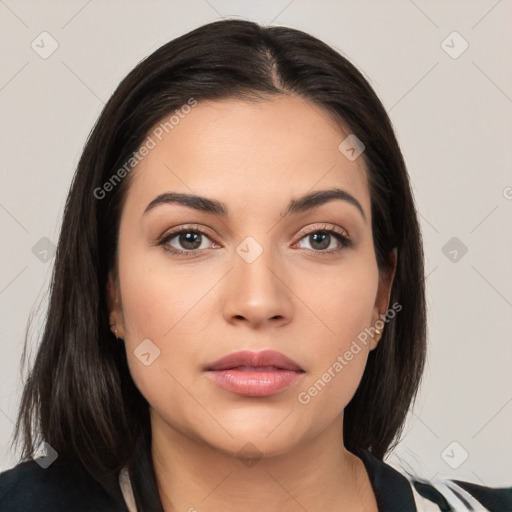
[{"x": 318, "y": 474}]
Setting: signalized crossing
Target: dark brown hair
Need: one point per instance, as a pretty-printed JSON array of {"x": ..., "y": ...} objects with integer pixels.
[{"x": 79, "y": 396}]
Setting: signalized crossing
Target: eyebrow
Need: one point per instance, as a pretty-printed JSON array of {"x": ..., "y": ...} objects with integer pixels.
[{"x": 298, "y": 205}]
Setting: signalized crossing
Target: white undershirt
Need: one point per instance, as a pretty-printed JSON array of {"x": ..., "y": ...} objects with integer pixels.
[{"x": 126, "y": 489}]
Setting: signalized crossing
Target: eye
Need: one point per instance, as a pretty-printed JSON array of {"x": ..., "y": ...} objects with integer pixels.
[
  {"x": 325, "y": 241},
  {"x": 185, "y": 241}
]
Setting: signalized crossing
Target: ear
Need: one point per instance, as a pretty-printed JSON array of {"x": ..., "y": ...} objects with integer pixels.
[
  {"x": 114, "y": 305},
  {"x": 383, "y": 294}
]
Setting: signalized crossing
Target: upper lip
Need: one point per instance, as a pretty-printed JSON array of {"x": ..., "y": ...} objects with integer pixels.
[{"x": 254, "y": 359}]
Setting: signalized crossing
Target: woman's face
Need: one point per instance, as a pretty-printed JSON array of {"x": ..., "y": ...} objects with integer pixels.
[{"x": 259, "y": 276}]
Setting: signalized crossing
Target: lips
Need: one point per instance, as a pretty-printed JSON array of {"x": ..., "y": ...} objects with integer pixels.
[
  {"x": 255, "y": 374},
  {"x": 255, "y": 361}
]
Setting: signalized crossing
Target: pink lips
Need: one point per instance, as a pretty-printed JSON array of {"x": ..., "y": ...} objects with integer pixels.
[{"x": 255, "y": 374}]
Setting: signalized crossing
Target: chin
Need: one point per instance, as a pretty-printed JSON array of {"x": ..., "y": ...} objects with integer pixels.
[
  {"x": 250, "y": 447},
  {"x": 256, "y": 438}
]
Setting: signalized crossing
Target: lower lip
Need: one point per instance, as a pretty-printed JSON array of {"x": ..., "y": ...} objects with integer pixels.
[{"x": 254, "y": 383}]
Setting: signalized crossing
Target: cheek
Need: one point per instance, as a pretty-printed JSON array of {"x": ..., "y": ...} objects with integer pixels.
[
  {"x": 158, "y": 296},
  {"x": 164, "y": 304},
  {"x": 344, "y": 303}
]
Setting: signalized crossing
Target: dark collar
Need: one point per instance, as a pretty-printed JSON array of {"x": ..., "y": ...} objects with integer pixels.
[
  {"x": 392, "y": 489},
  {"x": 143, "y": 478}
]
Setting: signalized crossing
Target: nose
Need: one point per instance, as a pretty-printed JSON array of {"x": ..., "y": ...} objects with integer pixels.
[{"x": 257, "y": 293}]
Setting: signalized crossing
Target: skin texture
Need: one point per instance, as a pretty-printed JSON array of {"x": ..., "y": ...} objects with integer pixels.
[{"x": 308, "y": 305}]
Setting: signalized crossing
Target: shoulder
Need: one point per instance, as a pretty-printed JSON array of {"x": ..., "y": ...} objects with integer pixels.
[
  {"x": 61, "y": 487},
  {"x": 398, "y": 492},
  {"x": 464, "y": 496}
]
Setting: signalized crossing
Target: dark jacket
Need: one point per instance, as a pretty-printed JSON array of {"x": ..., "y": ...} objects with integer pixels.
[{"x": 63, "y": 487}]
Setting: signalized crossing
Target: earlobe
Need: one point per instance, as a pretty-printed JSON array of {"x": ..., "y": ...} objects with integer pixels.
[
  {"x": 375, "y": 339},
  {"x": 114, "y": 306},
  {"x": 113, "y": 328}
]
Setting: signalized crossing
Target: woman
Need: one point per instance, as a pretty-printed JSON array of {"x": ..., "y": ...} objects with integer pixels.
[{"x": 237, "y": 314}]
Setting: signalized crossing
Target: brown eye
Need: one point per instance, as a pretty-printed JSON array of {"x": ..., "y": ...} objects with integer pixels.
[
  {"x": 326, "y": 241},
  {"x": 320, "y": 241},
  {"x": 186, "y": 241},
  {"x": 189, "y": 240}
]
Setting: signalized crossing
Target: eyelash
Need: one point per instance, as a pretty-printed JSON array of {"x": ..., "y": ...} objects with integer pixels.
[{"x": 344, "y": 241}]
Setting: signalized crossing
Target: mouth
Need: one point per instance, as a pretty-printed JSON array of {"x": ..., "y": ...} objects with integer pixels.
[
  {"x": 255, "y": 368},
  {"x": 267, "y": 359},
  {"x": 255, "y": 374}
]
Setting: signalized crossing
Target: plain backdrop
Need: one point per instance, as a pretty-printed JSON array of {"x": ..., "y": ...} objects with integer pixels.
[{"x": 442, "y": 70}]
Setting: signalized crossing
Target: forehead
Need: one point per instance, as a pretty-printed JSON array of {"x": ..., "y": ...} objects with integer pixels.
[{"x": 243, "y": 152}]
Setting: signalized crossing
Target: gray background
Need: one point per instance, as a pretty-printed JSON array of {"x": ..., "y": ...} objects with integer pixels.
[{"x": 452, "y": 117}]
